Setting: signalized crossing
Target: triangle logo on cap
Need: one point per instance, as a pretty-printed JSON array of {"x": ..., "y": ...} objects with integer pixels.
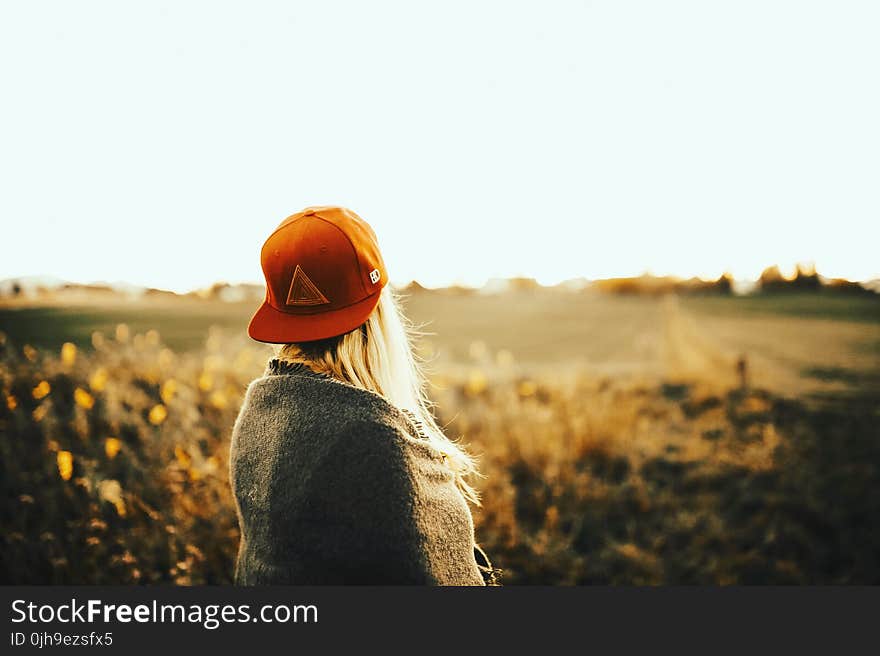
[{"x": 303, "y": 290}]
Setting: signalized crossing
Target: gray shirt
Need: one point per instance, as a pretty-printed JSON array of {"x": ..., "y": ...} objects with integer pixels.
[{"x": 334, "y": 485}]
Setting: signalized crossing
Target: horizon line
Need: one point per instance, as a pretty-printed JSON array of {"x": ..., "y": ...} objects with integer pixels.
[{"x": 120, "y": 285}]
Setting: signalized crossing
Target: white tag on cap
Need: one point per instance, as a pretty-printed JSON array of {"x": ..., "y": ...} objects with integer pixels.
[{"x": 374, "y": 276}]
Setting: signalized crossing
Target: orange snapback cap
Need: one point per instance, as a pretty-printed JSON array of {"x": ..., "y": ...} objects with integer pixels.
[{"x": 324, "y": 274}]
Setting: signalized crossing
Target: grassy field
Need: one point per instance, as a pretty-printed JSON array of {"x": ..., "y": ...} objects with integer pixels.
[
  {"x": 794, "y": 344},
  {"x": 617, "y": 440}
]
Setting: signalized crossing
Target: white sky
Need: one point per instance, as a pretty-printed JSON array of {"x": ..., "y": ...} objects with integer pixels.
[{"x": 160, "y": 142}]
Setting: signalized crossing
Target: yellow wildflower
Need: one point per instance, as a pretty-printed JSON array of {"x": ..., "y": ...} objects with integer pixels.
[
  {"x": 42, "y": 390},
  {"x": 68, "y": 353},
  {"x": 477, "y": 383},
  {"x": 206, "y": 382},
  {"x": 83, "y": 399},
  {"x": 157, "y": 415},
  {"x": 151, "y": 375},
  {"x": 182, "y": 456},
  {"x": 11, "y": 402},
  {"x": 111, "y": 447},
  {"x": 98, "y": 381},
  {"x": 218, "y": 400},
  {"x": 169, "y": 387},
  {"x": 65, "y": 464}
]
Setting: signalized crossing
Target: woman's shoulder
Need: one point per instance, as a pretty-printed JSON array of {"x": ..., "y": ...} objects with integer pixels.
[
  {"x": 297, "y": 397},
  {"x": 286, "y": 385}
]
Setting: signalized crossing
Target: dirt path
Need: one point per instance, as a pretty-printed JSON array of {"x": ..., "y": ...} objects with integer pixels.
[{"x": 789, "y": 355}]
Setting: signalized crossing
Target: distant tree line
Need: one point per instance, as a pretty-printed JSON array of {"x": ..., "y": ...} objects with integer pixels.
[
  {"x": 805, "y": 279},
  {"x": 660, "y": 285}
]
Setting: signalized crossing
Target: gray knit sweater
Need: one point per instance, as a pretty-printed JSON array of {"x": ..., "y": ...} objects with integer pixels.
[{"x": 334, "y": 485}]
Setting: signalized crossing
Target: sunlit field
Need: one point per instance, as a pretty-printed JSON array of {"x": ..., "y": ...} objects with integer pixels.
[{"x": 623, "y": 440}]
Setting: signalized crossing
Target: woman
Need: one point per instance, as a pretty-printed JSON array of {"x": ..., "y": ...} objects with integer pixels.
[{"x": 340, "y": 473}]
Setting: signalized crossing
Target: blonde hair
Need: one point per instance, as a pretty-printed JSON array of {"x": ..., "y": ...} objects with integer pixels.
[{"x": 378, "y": 356}]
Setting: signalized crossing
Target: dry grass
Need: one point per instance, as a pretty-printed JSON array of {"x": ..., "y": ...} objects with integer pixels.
[{"x": 115, "y": 470}]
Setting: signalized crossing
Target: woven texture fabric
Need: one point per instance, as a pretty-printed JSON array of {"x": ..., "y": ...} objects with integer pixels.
[{"x": 334, "y": 485}]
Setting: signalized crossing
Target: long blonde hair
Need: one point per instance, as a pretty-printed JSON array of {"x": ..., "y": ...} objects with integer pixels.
[{"x": 378, "y": 356}]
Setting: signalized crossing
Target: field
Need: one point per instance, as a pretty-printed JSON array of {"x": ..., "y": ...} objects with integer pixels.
[{"x": 623, "y": 440}]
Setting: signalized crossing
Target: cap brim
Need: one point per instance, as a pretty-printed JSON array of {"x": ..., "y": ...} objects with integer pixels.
[{"x": 276, "y": 327}]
